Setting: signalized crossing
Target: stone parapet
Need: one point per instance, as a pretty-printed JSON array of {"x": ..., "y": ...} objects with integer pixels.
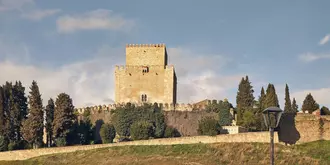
[{"x": 165, "y": 107}]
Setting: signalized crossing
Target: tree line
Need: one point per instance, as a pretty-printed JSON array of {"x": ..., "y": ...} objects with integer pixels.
[{"x": 249, "y": 109}]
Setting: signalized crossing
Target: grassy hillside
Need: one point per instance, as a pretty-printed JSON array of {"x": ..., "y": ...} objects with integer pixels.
[{"x": 191, "y": 154}]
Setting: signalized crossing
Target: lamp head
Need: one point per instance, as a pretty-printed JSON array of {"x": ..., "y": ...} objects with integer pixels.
[{"x": 272, "y": 116}]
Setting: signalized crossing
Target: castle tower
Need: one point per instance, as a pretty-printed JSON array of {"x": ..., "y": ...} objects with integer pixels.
[{"x": 146, "y": 76}]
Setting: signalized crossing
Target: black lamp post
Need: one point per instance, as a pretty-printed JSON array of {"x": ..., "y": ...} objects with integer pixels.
[{"x": 272, "y": 116}]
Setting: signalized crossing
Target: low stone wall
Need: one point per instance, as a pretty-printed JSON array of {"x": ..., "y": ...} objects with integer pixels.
[{"x": 262, "y": 137}]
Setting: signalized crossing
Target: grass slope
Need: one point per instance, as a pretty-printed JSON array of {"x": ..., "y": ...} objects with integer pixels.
[{"x": 191, "y": 154}]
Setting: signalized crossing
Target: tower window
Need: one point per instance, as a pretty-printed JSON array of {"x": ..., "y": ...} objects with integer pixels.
[
  {"x": 144, "y": 98},
  {"x": 145, "y": 69}
]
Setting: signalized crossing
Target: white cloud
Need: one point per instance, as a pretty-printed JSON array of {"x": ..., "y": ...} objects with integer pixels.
[
  {"x": 99, "y": 19},
  {"x": 37, "y": 15},
  {"x": 320, "y": 95},
  {"x": 7, "y": 5},
  {"x": 325, "y": 39},
  {"x": 309, "y": 57},
  {"x": 91, "y": 82}
]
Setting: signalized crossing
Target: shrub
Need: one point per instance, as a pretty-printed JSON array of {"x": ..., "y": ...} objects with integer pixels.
[
  {"x": 171, "y": 132},
  {"x": 107, "y": 133},
  {"x": 60, "y": 142},
  {"x": 208, "y": 126},
  {"x": 142, "y": 130},
  {"x": 3, "y": 143}
]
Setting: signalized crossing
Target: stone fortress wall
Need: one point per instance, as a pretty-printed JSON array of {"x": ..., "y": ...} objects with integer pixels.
[{"x": 165, "y": 107}]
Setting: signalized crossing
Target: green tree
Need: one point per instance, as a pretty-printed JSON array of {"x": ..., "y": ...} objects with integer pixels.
[
  {"x": 142, "y": 130},
  {"x": 294, "y": 106},
  {"x": 288, "y": 106},
  {"x": 3, "y": 143},
  {"x": 171, "y": 132},
  {"x": 2, "y": 112},
  {"x": 244, "y": 98},
  {"x": 208, "y": 126},
  {"x": 225, "y": 117},
  {"x": 325, "y": 111},
  {"x": 63, "y": 116},
  {"x": 49, "y": 121},
  {"x": 309, "y": 104},
  {"x": 249, "y": 120},
  {"x": 32, "y": 128},
  {"x": 160, "y": 125},
  {"x": 108, "y": 133},
  {"x": 262, "y": 99},
  {"x": 271, "y": 97}
]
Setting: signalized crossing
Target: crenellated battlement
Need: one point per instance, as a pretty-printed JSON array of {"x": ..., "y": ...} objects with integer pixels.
[
  {"x": 165, "y": 107},
  {"x": 145, "y": 45}
]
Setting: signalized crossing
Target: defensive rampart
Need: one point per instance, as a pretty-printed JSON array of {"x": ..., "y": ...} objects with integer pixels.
[
  {"x": 304, "y": 128},
  {"x": 262, "y": 137},
  {"x": 165, "y": 107}
]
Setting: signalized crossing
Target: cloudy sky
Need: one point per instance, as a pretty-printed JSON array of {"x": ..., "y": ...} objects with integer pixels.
[{"x": 72, "y": 46}]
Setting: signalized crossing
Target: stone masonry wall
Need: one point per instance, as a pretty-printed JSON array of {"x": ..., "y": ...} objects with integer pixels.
[
  {"x": 262, "y": 137},
  {"x": 304, "y": 128},
  {"x": 146, "y": 54}
]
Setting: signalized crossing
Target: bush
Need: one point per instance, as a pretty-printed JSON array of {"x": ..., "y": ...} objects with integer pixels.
[
  {"x": 171, "y": 132},
  {"x": 142, "y": 130},
  {"x": 3, "y": 144},
  {"x": 60, "y": 142},
  {"x": 208, "y": 126},
  {"x": 107, "y": 133},
  {"x": 124, "y": 117}
]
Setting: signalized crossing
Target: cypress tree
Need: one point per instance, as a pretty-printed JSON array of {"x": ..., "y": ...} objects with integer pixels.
[
  {"x": 244, "y": 98},
  {"x": 49, "y": 120},
  {"x": 288, "y": 106},
  {"x": 309, "y": 104},
  {"x": 262, "y": 99},
  {"x": 33, "y": 125},
  {"x": 2, "y": 112},
  {"x": 294, "y": 106},
  {"x": 271, "y": 97},
  {"x": 63, "y": 116}
]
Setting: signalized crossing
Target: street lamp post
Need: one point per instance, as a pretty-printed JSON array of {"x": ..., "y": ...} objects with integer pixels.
[{"x": 272, "y": 116}]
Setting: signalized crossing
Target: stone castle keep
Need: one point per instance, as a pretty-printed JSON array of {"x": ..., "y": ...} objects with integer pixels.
[{"x": 146, "y": 78}]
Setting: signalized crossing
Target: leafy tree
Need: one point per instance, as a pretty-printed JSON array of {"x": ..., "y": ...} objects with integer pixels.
[
  {"x": 33, "y": 126},
  {"x": 3, "y": 143},
  {"x": 325, "y": 111},
  {"x": 244, "y": 98},
  {"x": 63, "y": 116},
  {"x": 271, "y": 97},
  {"x": 309, "y": 104},
  {"x": 208, "y": 126},
  {"x": 160, "y": 125},
  {"x": 108, "y": 133},
  {"x": 225, "y": 118},
  {"x": 294, "y": 106},
  {"x": 142, "y": 130},
  {"x": 80, "y": 133},
  {"x": 288, "y": 106},
  {"x": 125, "y": 116},
  {"x": 171, "y": 132},
  {"x": 49, "y": 121},
  {"x": 249, "y": 120}
]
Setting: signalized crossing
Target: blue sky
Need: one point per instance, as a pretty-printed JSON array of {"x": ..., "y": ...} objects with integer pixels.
[{"x": 69, "y": 46}]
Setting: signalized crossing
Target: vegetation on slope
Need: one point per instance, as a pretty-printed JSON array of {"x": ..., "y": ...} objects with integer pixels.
[{"x": 221, "y": 153}]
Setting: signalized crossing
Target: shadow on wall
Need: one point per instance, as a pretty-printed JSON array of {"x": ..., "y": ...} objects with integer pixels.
[
  {"x": 287, "y": 131},
  {"x": 97, "y": 136}
]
